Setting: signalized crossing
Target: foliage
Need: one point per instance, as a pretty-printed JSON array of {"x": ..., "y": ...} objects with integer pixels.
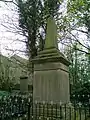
[
  {"x": 32, "y": 20},
  {"x": 79, "y": 72},
  {"x": 78, "y": 15},
  {"x": 78, "y": 18},
  {"x": 81, "y": 93},
  {"x": 79, "y": 10},
  {"x": 32, "y": 17}
]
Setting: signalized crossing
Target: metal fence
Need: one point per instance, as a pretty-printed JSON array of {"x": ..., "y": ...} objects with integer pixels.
[
  {"x": 59, "y": 111},
  {"x": 22, "y": 108},
  {"x": 84, "y": 98},
  {"x": 13, "y": 107}
]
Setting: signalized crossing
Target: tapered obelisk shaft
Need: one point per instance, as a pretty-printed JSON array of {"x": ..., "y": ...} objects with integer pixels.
[{"x": 51, "y": 34}]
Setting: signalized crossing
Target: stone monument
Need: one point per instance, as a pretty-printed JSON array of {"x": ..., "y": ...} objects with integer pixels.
[{"x": 51, "y": 77}]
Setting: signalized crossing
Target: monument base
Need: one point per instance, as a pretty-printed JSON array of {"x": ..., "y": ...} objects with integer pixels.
[{"x": 51, "y": 83}]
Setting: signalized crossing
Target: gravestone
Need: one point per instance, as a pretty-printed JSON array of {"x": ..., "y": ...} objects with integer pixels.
[
  {"x": 24, "y": 84},
  {"x": 51, "y": 77}
]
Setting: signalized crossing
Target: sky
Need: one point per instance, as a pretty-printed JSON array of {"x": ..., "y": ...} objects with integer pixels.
[{"x": 8, "y": 39}]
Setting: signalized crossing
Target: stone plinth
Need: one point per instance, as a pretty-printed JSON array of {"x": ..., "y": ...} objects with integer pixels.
[
  {"x": 51, "y": 77},
  {"x": 23, "y": 84}
]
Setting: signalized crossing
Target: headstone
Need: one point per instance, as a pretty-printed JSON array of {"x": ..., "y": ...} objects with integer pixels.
[
  {"x": 51, "y": 76},
  {"x": 24, "y": 84}
]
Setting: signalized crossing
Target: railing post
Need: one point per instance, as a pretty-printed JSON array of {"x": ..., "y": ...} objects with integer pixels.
[
  {"x": 89, "y": 107},
  {"x": 80, "y": 110},
  {"x": 56, "y": 111},
  {"x": 47, "y": 110},
  {"x": 85, "y": 112},
  {"x": 75, "y": 111},
  {"x": 61, "y": 111},
  {"x": 52, "y": 110},
  {"x": 65, "y": 111},
  {"x": 29, "y": 109},
  {"x": 70, "y": 112},
  {"x": 43, "y": 110},
  {"x": 36, "y": 109}
]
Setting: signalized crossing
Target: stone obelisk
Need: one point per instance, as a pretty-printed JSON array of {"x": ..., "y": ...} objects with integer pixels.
[
  {"x": 51, "y": 77},
  {"x": 51, "y": 34}
]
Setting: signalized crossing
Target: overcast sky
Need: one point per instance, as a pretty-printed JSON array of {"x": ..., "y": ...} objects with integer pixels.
[{"x": 9, "y": 40}]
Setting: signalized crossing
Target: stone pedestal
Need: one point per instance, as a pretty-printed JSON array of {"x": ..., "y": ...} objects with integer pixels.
[
  {"x": 23, "y": 84},
  {"x": 51, "y": 77}
]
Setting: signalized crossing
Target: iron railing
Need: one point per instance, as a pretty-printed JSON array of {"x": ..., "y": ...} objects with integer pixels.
[
  {"x": 22, "y": 108},
  {"x": 13, "y": 107}
]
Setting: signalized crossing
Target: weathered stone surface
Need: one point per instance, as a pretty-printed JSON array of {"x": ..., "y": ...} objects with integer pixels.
[
  {"x": 50, "y": 66},
  {"x": 51, "y": 34},
  {"x": 50, "y": 55},
  {"x": 52, "y": 83}
]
